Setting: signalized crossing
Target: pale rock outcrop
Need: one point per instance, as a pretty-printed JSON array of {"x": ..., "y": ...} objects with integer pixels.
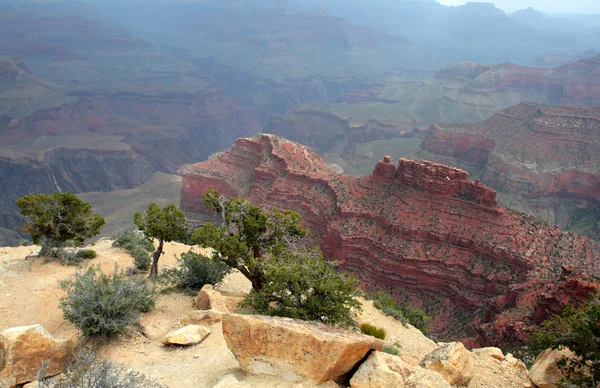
[
  {"x": 492, "y": 352},
  {"x": 202, "y": 317},
  {"x": 452, "y": 361},
  {"x": 295, "y": 350},
  {"x": 189, "y": 335},
  {"x": 515, "y": 362},
  {"x": 25, "y": 348},
  {"x": 545, "y": 372},
  {"x": 210, "y": 299},
  {"x": 386, "y": 370}
]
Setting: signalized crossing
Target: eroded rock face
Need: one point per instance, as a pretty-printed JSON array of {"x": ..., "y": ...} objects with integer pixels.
[
  {"x": 452, "y": 361},
  {"x": 294, "y": 350},
  {"x": 549, "y": 156},
  {"x": 386, "y": 370},
  {"x": 421, "y": 228},
  {"x": 25, "y": 348}
]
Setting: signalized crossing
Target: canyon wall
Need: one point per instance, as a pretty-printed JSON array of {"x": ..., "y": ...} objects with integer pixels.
[
  {"x": 545, "y": 159},
  {"x": 422, "y": 230}
]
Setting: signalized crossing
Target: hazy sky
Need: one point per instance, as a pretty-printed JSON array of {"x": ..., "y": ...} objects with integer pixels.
[{"x": 552, "y": 6}]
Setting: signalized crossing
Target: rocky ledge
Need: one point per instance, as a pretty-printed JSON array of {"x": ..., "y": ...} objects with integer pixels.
[
  {"x": 422, "y": 230},
  {"x": 548, "y": 156}
]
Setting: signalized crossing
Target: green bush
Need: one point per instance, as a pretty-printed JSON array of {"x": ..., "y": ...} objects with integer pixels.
[
  {"x": 87, "y": 372},
  {"x": 138, "y": 246},
  {"x": 194, "y": 271},
  {"x": 86, "y": 254},
  {"x": 105, "y": 305},
  {"x": 373, "y": 331},
  {"x": 391, "y": 350},
  {"x": 578, "y": 330},
  {"x": 405, "y": 314},
  {"x": 303, "y": 285},
  {"x": 24, "y": 242}
]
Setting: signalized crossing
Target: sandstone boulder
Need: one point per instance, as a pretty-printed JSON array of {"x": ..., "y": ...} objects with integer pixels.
[
  {"x": 209, "y": 299},
  {"x": 386, "y": 370},
  {"x": 492, "y": 352},
  {"x": 294, "y": 350},
  {"x": 25, "y": 348},
  {"x": 545, "y": 372},
  {"x": 202, "y": 317},
  {"x": 452, "y": 361},
  {"x": 189, "y": 335}
]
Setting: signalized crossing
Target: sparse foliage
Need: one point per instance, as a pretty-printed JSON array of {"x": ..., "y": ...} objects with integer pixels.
[
  {"x": 138, "y": 246},
  {"x": 57, "y": 218},
  {"x": 195, "y": 270},
  {"x": 406, "y": 313},
  {"x": 578, "y": 330},
  {"x": 303, "y": 285},
  {"x": 87, "y": 372},
  {"x": 166, "y": 225},
  {"x": 248, "y": 237},
  {"x": 105, "y": 305},
  {"x": 373, "y": 331}
]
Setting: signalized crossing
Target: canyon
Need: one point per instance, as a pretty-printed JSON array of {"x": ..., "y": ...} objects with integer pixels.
[
  {"x": 423, "y": 231},
  {"x": 542, "y": 159}
]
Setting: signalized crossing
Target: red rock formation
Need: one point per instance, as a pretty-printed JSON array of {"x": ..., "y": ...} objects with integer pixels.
[
  {"x": 421, "y": 229},
  {"x": 537, "y": 151}
]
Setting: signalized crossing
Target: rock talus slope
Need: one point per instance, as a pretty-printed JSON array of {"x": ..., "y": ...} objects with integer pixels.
[{"x": 420, "y": 229}]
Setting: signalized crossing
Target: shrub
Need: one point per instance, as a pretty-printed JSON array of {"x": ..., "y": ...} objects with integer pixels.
[
  {"x": 195, "y": 270},
  {"x": 137, "y": 245},
  {"x": 86, "y": 254},
  {"x": 86, "y": 372},
  {"x": 405, "y": 314},
  {"x": 24, "y": 242},
  {"x": 391, "y": 350},
  {"x": 373, "y": 331},
  {"x": 105, "y": 305},
  {"x": 578, "y": 330},
  {"x": 303, "y": 285}
]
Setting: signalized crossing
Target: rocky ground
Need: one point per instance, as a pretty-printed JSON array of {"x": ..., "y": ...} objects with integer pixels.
[{"x": 29, "y": 295}]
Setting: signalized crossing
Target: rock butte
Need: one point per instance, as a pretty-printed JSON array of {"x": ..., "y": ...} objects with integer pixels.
[
  {"x": 549, "y": 155},
  {"x": 424, "y": 230}
]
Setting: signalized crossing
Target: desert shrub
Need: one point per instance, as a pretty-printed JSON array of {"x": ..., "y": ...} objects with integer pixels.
[
  {"x": 194, "y": 271},
  {"x": 390, "y": 349},
  {"x": 303, "y": 285},
  {"x": 373, "y": 331},
  {"x": 406, "y": 313},
  {"x": 86, "y": 254},
  {"x": 105, "y": 305},
  {"x": 138, "y": 246},
  {"x": 578, "y": 330},
  {"x": 87, "y": 372},
  {"x": 24, "y": 242}
]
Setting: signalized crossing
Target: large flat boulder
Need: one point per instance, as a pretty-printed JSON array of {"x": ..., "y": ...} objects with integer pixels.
[
  {"x": 25, "y": 348},
  {"x": 386, "y": 370},
  {"x": 188, "y": 335},
  {"x": 294, "y": 350},
  {"x": 451, "y": 360}
]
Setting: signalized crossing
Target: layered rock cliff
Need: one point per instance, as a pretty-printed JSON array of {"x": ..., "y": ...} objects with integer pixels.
[
  {"x": 423, "y": 230},
  {"x": 543, "y": 159}
]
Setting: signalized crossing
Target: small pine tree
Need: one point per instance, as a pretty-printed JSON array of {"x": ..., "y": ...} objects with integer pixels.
[{"x": 166, "y": 225}]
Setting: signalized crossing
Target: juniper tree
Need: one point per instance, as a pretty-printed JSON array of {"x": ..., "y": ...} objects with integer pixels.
[{"x": 166, "y": 225}]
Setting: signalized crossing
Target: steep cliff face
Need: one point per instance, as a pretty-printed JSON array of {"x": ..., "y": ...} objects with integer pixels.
[
  {"x": 548, "y": 156},
  {"x": 423, "y": 230}
]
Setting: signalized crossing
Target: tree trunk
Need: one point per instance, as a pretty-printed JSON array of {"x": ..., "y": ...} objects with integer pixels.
[{"x": 155, "y": 257}]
